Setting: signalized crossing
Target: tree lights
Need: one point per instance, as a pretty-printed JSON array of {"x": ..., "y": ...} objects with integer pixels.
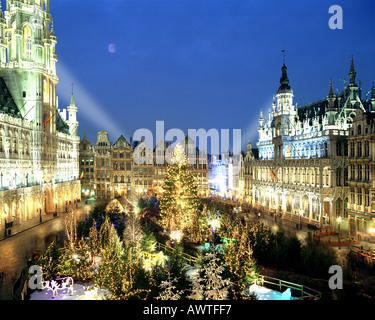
[{"x": 180, "y": 202}]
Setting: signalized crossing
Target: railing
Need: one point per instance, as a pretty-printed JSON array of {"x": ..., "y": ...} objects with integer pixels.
[
  {"x": 305, "y": 292},
  {"x": 367, "y": 255},
  {"x": 188, "y": 258},
  {"x": 20, "y": 287},
  {"x": 326, "y": 232}
]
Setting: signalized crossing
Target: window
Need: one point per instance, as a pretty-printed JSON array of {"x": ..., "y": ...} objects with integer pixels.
[
  {"x": 352, "y": 195},
  {"x": 352, "y": 172},
  {"x": 359, "y": 130},
  {"x": 359, "y": 176},
  {"x": 367, "y": 172},
  {"x": 346, "y": 172},
  {"x": 338, "y": 149},
  {"x": 325, "y": 149},
  {"x": 352, "y": 149},
  {"x": 115, "y": 179},
  {"x": 359, "y": 149},
  {"x": 359, "y": 197},
  {"x": 367, "y": 198},
  {"x": 367, "y": 148},
  {"x": 338, "y": 177},
  {"x": 27, "y": 42}
]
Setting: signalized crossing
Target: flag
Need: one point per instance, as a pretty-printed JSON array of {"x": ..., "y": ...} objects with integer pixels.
[
  {"x": 273, "y": 176},
  {"x": 81, "y": 176},
  {"x": 47, "y": 120}
]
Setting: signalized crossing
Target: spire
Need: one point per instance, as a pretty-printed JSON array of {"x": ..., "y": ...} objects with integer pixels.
[
  {"x": 352, "y": 74},
  {"x": 373, "y": 91},
  {"x": 72, "y": 103},
  {"x": 261, "y": 120},
  {"x": 330, "y": 94},
  {"x": 84, "y": 134},
  {"x": 284, "y": 80}
]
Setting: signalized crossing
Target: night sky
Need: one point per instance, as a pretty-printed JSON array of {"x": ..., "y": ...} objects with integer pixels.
[{"x": 202, "y": 63}]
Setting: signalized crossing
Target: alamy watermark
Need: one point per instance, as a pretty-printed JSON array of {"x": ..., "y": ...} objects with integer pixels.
[
  {"x": 219, "y": 144},
  {"x": 336, "y": 281},
  {"x": 336, "y": 20}
]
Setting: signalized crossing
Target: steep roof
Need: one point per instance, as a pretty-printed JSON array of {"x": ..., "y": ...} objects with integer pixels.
[{"x": 7, "y": 104}]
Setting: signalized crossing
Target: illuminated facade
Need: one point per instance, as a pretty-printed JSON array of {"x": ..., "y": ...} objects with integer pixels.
[
  {"x": 38, "y": 145},
  {"x": 226, "y": 178},
  {"x": 361, "y": 204},
  {"x": 301, "y": 171},
  {"x": 131, "y": 170}
]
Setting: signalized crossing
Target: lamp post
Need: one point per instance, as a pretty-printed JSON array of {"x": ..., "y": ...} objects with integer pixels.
[
  {"x": 300, "y": 218},
  {"x": 40, "y": 212},
  {"x": 5, "y": 221},
  {"x": 55, "y": 208}
]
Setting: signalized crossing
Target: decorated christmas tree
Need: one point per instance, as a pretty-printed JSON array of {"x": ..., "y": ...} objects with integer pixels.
[{"x": 180, "y": 202}]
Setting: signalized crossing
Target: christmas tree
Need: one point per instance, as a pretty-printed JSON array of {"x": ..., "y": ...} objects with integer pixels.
[
  {"x": 180, "y": 202},
  {"x": 133, "y": 232}
]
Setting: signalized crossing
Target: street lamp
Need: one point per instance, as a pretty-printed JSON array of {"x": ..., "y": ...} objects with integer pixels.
[
  {"x": 55, "y": 208},
  {"x": 5, "y": 221},
  {"x": 300, "y": 218},
  {"x": 40, "y": 212}
]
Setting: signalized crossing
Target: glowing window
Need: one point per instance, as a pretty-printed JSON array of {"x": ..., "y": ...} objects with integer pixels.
[{"x": 27, "y": 41}]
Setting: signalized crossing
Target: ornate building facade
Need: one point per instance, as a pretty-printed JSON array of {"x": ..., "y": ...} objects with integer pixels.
[
  {"x": 361, "y": 204},
  {"x": 38, "y": 145},
  {"x": 301, "y": 171},
  {"x": 130, "y": 169}
]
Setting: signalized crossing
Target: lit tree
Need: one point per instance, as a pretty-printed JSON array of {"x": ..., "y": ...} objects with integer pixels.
[
  {"x": 168, "y": 289},
  {"x": 133, "y": 232},
  {"x": 209, "y": 283},
  {"x": 93, "y": 238},
  {"x": 180, "y": 201},
  {"x": 241, "y": 264},
  {"x": 71, "y": 228}
]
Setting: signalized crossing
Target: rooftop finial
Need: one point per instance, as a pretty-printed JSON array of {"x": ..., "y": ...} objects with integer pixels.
[
  {"x": 330, "y": 94},
  {"x": 283, "y": 51},
  {"x": 72, "y": 99},
  {"x": 352, "y": 73}
]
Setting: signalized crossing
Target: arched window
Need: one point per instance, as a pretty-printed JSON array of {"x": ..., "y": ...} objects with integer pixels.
[
  {"x": 359, "y": 129},
  {"x": 27, "y": 42}
]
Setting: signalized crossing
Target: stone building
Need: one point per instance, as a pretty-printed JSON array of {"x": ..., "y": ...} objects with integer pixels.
[
  {"x": 129, "y": 169},
  {"x": 301, "y": 170},
  {"x": 38, "y": 145},
  {"x": 361, "y": 200}
]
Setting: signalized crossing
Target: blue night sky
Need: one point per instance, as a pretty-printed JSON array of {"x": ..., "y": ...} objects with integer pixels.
[{"x": 202, "y": 63}]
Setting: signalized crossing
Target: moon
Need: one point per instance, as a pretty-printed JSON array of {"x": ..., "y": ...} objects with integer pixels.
[{"x": 112, "y": 48}]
